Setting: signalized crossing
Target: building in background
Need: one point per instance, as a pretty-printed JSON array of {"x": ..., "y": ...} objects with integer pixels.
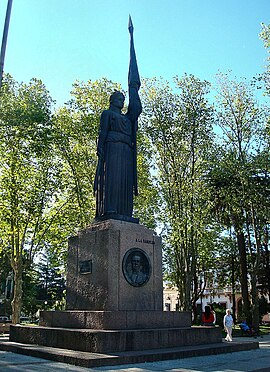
[{"x": 222, "y": 297}]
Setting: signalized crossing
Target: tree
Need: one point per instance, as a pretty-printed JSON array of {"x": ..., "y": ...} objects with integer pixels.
[
  {"x": 5, "y": 284},
  {"x": 235, "y": 181},
  {"x": 28, "y": 175},
  {"x": 179, "y": 128},
  {"x": 227, "y": 265},
  {"x": 265, "y": 77},
  {"x": 51, "y": 283},
  {"x": 44, "y": 284}
]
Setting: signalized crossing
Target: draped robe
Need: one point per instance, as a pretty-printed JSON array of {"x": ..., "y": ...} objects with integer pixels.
[{"x": 116, "y": 173}]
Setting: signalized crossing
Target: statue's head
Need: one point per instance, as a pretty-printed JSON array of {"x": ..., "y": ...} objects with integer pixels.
[{"x": 117, "y": 99}]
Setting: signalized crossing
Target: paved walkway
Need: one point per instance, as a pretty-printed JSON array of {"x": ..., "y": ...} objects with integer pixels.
[{"x": 243, "y": 361}]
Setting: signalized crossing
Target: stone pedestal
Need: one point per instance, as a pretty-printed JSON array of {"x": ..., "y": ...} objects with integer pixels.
[
  {"x": 114, "y": 297},
  {"x": 100, "y": 275}
]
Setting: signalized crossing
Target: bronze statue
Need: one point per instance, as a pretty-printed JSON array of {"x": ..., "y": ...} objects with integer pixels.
[{"x": 116, "y": 174}]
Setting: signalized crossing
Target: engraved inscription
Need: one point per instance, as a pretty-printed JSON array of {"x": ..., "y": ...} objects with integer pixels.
[{"x": 145, "y": 241}]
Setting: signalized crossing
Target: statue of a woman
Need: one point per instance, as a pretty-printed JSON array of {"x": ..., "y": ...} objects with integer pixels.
[{"x": 116, "y": 175}]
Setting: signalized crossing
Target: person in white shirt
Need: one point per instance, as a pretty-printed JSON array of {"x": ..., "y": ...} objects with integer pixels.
[
  {"x": 214, "y": 313},
  {"x": 228, "y": 324}
]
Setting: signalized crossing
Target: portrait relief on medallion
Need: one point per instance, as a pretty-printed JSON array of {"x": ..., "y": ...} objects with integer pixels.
[{"x": 136, "y": 267}]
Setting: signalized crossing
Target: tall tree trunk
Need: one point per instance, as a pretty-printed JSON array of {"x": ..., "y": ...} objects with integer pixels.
[
  {"x": 17, "y": 293},
  {"x": 195, "y": 297},
  {"x": 233, "y": 288},
  {"x": 254, "y": 273},
  {"x": 244, "y": 279},
  {"x": 255, "y": 304},
  {"x": 188, "y": 303},
  {"x": 266, "y": 257}
]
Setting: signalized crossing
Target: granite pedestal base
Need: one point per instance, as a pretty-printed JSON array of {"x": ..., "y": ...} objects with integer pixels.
[
  {"x": 101, "y": 341},
  {"x": 114, "y": 297}
]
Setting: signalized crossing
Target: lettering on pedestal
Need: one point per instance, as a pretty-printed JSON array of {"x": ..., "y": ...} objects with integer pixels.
[
  {"x": 145, "y": 241},
  {"x": 136, "y": 267},
  {"x": 85, "y": 267}
]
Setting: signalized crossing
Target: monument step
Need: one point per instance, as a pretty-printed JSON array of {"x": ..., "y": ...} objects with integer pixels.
[
  {"x": 91, "y": 360},
  {"x": 102, "y": 341}
]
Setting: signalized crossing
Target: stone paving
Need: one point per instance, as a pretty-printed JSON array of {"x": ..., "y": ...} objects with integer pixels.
[{"x": 244, "y": 361}]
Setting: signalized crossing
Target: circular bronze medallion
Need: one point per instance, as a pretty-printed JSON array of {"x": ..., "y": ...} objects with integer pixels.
[{"x": 136, "y": 267}]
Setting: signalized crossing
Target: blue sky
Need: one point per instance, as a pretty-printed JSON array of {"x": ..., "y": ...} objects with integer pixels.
[{"x": 60, "y": 41}]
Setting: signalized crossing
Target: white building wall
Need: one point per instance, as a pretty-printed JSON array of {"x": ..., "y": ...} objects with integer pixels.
[{"x": 222, "y": 297}]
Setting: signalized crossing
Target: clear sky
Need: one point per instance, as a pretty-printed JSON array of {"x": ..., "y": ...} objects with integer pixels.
[{"x": 60, "y": 41}]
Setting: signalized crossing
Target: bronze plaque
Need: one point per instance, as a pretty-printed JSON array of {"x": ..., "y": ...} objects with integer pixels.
[{"x": 85, "y": 267}]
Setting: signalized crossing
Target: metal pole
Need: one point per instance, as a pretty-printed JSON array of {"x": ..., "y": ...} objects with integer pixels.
[{"x": 4, "y": 40}]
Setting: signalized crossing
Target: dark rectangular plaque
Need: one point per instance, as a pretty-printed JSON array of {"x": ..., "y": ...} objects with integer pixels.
[{"x": 85, "y": 267}]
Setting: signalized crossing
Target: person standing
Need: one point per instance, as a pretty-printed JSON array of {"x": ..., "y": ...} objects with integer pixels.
[
  {"x": 228, "y": 324},
  {"x": 214, "y": 313}
]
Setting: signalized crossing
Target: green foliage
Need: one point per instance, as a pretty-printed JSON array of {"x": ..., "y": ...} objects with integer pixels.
[
  {"x": 220, "y": 312},
  {"x": 179, "y": 127},
  {"x": 240, "y": 179},
  {"x": 265, "y": 76},
  {"x": 146, "y": 203},
  {"x": 44, "y": 284},
  {"x": 28, "y": 177}
]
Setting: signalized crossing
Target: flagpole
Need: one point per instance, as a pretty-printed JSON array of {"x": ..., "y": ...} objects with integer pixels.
[{"x": 4, "y": 40}]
